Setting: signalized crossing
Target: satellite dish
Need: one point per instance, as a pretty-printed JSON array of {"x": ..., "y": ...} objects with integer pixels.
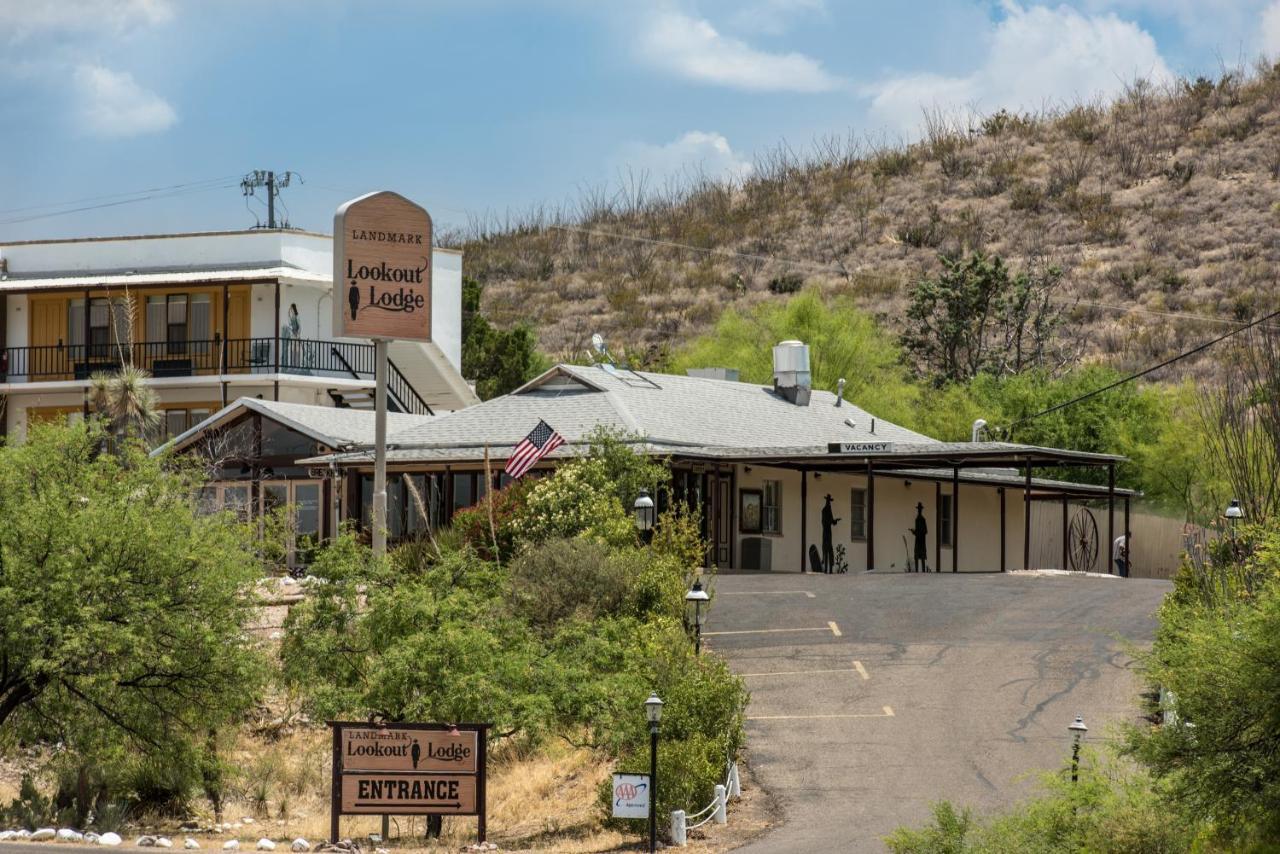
[{"x": 597, "y": 341}]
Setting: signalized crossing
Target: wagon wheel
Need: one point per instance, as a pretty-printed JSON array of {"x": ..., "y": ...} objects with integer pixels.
[{"x": 1082, "y": 541}]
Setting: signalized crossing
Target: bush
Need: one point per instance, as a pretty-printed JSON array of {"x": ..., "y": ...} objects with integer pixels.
[
  {"x": 787, "y": 283},
  {"x": 561, "y": 580},
  {"x": 579, "y": 500},
  {"x": 472, "y": 524}
]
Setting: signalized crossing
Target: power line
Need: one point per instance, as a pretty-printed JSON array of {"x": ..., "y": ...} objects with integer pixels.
[
  {"x": 1197, "y": 349},
  {"x": 147, "y": 198},
  {"x": 115, "y": 195}
]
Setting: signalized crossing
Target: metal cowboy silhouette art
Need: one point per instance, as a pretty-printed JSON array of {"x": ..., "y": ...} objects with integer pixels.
[
  {"x": 829, "y": 522},
  {"x": 920, "y": 561},
  {"x": 353, "y": 297}
]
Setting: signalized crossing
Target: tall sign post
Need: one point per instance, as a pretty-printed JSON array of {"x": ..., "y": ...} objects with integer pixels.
[
  {"x": 408, "y": 769},
  {"x": 381, "y": 291}
]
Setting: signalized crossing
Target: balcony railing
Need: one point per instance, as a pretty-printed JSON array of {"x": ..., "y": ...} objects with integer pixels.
[{"x": 307, "y": 357}]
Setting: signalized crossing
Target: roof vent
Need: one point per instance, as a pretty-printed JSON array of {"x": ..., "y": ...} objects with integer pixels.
[{"x": 791, "y": 377}]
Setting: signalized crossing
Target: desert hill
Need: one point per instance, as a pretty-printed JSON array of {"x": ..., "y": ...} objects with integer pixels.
[{"x": 1161, "y": 208}]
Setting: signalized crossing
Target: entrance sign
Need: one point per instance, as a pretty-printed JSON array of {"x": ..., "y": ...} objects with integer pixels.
[
  {"x": 630, "y": 795},
  {"x": 382, "y": 269},
  {"x": 860, "y": 448},
  {"x": 408, "y": 769}
]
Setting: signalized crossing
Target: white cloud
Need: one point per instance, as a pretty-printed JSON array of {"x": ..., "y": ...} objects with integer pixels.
[
  {"x": 692, "y": 48},
  {"x": 113, "y": 104},
  {"x": 1037, "y": 56},
  {"x": 22, "y": 18},
  {"x": 694, "y": 153},
  {"x": 1269, "y": 29},
  {"x": 773, "y": 16}
]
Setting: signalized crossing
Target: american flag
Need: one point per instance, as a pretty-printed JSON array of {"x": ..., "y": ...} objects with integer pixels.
[{"x": 540, "y": 442}]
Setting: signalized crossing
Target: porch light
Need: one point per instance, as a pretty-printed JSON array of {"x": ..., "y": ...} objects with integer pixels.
[
  {"x": 1234, "y": 510},
  {"x": 644, "y": 512}
]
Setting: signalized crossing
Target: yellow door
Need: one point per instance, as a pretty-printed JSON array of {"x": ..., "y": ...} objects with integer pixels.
[{"x": 48, "y": 329}]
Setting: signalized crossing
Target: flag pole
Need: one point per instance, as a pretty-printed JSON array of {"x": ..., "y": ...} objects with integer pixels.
[{"x": 488, "y": 494}]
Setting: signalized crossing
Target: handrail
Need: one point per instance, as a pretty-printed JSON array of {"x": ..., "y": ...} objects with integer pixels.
[{"x": 398, "y": 383}]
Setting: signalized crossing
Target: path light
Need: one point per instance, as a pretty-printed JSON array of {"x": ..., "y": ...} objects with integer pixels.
[
  {"x": 693, "y": 601},
  {"x": 653, "y": 713},
  {"x": 1077, "y": 730},
  {"x": 1235, "y": 513}
]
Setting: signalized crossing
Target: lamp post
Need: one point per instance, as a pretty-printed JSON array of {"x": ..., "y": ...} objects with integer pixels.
[
  {"x": 1235, "y": 513},
  {"x": 693, "y": 601},
  {"x": 1077, "y": 730},
  {"x": 653, "y": 712},
  {"x": 644, "y": 515}
]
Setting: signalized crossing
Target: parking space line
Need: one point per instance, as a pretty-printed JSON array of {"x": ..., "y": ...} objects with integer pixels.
[
  {"x": 886, "y": 713},
  {"x": 829, "y": 627},
  {"x": 799, "y": 672},
  {"x": 862, "y": 671},
  {"x": 806, "y": 593}
]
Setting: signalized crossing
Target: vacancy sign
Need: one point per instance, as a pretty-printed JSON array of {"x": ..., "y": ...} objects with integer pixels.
[
  {"x": 630, "y": 795},
  {"x": 382, "y": 269}
]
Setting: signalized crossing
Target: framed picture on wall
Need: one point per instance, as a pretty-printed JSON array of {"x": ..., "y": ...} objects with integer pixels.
[{"x": 750, "y": 502}]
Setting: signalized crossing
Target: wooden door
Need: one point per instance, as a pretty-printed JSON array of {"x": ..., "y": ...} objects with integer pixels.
[
  {"x": 48, "y": 329},
  {"x": 720, "y": 493}
]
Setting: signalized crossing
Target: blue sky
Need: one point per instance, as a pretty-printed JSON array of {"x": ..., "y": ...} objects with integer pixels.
[{"x": 487, "y": 106}]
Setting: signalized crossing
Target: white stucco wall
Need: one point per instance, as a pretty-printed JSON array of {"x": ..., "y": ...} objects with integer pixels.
[{"x": 895, "y": 502}]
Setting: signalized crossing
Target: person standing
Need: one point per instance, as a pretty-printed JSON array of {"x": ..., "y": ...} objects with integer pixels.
[
  {"x": 1120, "y": 555},
  {"x": 829, "y": 522}
]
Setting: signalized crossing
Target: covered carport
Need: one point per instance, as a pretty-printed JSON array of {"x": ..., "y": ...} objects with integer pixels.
[{"x": 1002, "y": 466}]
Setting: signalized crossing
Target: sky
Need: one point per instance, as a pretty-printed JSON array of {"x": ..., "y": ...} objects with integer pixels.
[{"x": 148, "y": 112}]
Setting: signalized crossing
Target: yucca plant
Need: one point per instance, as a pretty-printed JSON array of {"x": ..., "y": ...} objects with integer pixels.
[{"x": 123, "y": 399}]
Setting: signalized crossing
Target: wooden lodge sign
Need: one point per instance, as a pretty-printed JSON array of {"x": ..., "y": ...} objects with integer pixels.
[
  {"x": 408, "y": 769},
  {"x": 382, "y": 269}
]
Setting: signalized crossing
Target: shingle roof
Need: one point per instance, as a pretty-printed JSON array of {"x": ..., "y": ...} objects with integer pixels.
[
  {"x": 663, "y": 409},
  {"x": 329, "y": 425}
]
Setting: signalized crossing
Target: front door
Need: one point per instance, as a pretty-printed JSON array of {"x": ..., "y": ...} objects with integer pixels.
[{"x": 720, "y": 493}]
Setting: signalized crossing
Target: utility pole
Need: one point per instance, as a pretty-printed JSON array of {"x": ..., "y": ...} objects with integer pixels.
[{"x": 267, "y": 179}]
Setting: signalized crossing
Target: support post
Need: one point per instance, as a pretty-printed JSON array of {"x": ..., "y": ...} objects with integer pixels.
[
  {"x": 1064, "y": 532},
  {"x": 1026, "y": 520},
  {"x": 1000, "y": 492},
  {"x": 276, "y": 348},
  {"x": 1128, "y": 541},
  {"x": 335, "y": 792},
  {"x": 653, "y": 788},
  {"x": 1111, "y": 513},
  {"x": 722, "y": 800},
  {"x": 871, "y": 517},
  {"x": 226, "y": 327},
  {"x": 804, "y": 520},
  {"x": 937, "y": 526},
  {"x": 955, "y": 518},
  {"x": 380, "y": 448}
]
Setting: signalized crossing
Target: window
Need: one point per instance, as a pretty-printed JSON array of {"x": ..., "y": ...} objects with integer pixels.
[
  {"x": 944, "y": 520},
  {"x": 468, "y": 489},
  {"x": 179, "y": 320},
  {"x": 771, "y": 512},
  {"x": 857, "y": 514},
  {"x": 108, "y": 324},
  {"x": 178, "y": 421}
]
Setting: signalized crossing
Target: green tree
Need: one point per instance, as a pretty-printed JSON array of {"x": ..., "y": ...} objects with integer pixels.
[
  {"x": 499, "y": 362},
  {"x": 1217, "y": 653},
  {"x": 977, "y": 317},
  {"x": 844, "y": 342},
  {"x": 122, "y": 610}
]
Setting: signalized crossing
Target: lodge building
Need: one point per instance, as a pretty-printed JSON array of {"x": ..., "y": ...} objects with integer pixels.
[{"x": 776, "y": 471}]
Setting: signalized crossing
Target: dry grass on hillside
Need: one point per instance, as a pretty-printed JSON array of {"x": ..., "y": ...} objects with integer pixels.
[{"x": 1167, "y": 200}]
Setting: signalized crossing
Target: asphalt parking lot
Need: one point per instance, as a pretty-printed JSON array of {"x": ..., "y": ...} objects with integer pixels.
[{"x": 875, "y": 695}]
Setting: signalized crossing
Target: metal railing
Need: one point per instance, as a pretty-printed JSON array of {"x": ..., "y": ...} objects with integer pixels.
[{"x": 304, "y": 356}]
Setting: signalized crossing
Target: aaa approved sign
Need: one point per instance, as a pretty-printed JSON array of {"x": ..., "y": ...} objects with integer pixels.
[{"x": 630, "y": 795}]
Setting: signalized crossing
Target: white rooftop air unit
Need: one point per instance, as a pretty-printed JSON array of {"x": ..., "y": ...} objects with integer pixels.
[{"x": 791, "y": 377}]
